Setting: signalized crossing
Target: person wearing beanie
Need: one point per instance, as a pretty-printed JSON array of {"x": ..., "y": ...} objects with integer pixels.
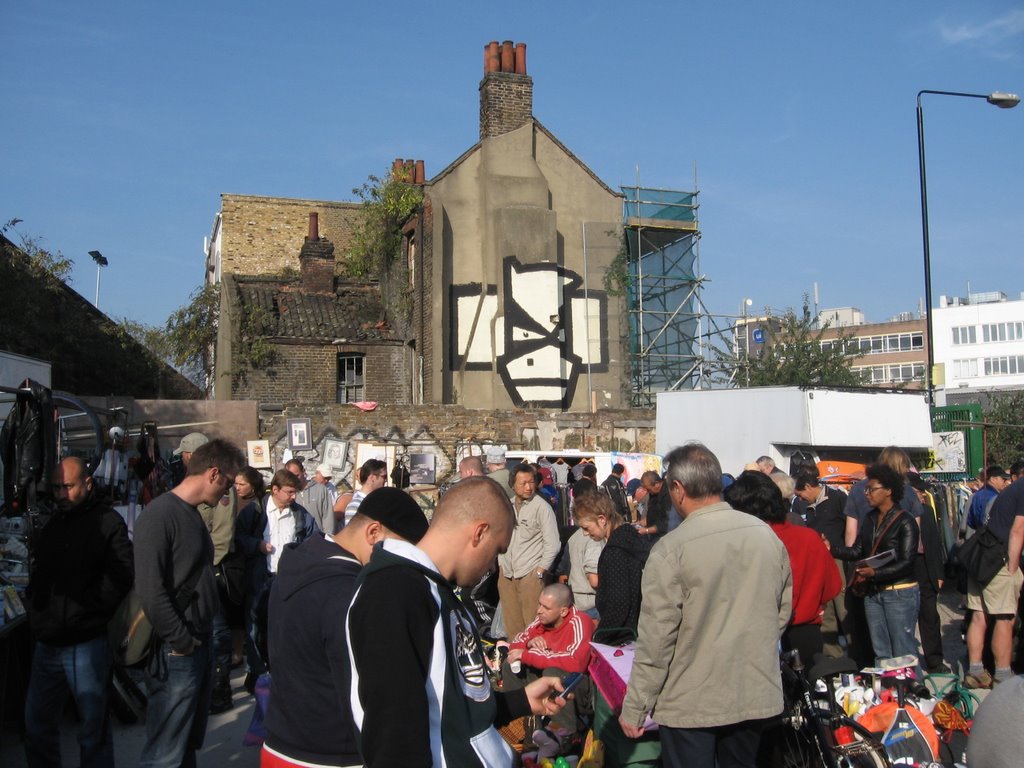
[{"x": 309, "y": 720}]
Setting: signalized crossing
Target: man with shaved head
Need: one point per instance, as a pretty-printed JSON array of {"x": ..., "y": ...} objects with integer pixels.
[
  {"x": 83, "y": 569},
  {"x": 414, "y": 649}
]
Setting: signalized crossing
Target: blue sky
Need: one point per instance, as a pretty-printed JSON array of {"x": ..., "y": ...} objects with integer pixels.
[{"x": 124, "y": 122}]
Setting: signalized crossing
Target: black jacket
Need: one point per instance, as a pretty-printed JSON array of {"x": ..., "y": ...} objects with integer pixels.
[
  {"x": 902, "y": 537},
  {"x": 612, "y": 485},
  {"x": 620, "y": 570},
  {"x": 310, "y": 714},
  {"x": 83, "y": 569}
]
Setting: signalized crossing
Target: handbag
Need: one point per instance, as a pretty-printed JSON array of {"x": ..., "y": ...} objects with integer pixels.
[
  {"x": 130, "y": 632},
  {"x": 983, "y": 555}
]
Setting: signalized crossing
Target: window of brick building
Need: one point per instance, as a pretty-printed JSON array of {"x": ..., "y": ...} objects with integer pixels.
[{"x": 351, "y": 382}]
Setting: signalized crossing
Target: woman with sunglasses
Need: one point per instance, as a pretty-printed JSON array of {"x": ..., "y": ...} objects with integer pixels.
[{"x": 891, "y": 593}]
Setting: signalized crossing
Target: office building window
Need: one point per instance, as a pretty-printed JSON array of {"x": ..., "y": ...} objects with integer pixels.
[{"x": 965, "y": 334}]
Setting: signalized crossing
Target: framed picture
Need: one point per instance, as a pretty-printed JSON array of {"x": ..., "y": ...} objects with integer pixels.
[
  {"x": 422, "y": 468},
  {"x": 367, "y": 451},
  {"x": 335, "y": 454},
  {"x": 258, "y": 453},
  {"x": 300, "y": 434}
]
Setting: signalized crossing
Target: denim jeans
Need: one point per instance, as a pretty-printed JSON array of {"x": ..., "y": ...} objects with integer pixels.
[
  {"x": 892, "y": 617},
  {"x": 179, "y": 702},
  {"x": 84, "y": 670}
]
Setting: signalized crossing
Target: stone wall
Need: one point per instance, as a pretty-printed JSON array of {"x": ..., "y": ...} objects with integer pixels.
[{"x": 451, "y": 431}]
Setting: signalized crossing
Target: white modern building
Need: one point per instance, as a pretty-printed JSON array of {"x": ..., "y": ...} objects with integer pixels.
[{"x": 979, "y": 342}]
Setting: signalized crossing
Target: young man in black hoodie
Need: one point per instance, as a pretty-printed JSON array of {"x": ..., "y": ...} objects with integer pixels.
[
  {"x": 309, "y": 721},
  {"x": 420, "y": 690},
  {"x": 83, "y": 569}
]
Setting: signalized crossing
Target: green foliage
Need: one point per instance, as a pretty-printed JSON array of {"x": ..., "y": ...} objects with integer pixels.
[
  {"x": 55, "y": 264},
  {"x": 152, "y": 338},
  {"x": 617, "y": 277},
  {"x": 793, "y": 356},
  {"x": 254, "y": 348},
  {"x": 1005, "y": 443},
  {"x": 191, "y": 332},
  {"x": 377, "y": 242}
]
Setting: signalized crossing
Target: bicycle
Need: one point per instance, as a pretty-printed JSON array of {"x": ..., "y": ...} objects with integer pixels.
[{"x": 813, "y": 732}]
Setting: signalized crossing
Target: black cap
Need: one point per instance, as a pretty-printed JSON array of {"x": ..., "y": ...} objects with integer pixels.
[
  {"x": 397, "y": 511},
  {"x": 996, "y": 471}
]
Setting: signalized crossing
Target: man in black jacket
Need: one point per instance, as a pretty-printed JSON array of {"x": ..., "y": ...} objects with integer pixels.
[
  {"x": 612, "y": 485},
  {"x": 420, "y": 689},
  {"x": 822, "y": 508},
  {"x": 309, "y": 721},
  {"x": 83, "y": 569}
]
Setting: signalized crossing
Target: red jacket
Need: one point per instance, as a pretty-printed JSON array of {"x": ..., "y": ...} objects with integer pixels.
[
  {"x": 568, "y": 645},
  {"x": 815, "y": 574}
]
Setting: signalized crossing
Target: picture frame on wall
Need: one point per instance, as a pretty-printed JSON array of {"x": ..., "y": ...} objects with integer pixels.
[
  {"x": 300, "y": 434},
  {"x": 335, "y": 453},
  {"x": 258, "y": 453},
  {"x": 422, "y": 469}
]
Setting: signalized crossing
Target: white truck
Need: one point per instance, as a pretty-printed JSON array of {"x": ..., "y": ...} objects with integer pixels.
[{"x": 821, "y": 424}]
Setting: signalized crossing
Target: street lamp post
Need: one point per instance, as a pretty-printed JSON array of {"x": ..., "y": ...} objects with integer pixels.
[
  {"x": 998, "y": 99},
  {"x": 101, "y": 261},
  {"x": 744, "y": 305}
]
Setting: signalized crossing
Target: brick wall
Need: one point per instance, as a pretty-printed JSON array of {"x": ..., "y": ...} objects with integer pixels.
[
  {"x": 307, "y": 373},
  {"x": 263, "y": 235},
  {"x": 506, "y": 102}
]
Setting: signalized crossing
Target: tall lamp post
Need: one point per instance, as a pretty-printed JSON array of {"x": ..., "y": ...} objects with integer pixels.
[
  {"x": 998, "y": 99},
  {"x": 101, "y": 261},
  {"x": 744, "y": 305}
]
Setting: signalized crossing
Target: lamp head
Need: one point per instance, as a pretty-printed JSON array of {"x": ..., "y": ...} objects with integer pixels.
[{"x": 1003, "y": 100}]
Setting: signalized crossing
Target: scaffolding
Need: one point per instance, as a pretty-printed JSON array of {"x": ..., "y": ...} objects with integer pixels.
[{"x": 668, "y": 322}]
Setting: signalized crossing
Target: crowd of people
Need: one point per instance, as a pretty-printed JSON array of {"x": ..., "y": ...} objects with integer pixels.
[{"x": 374, "y": 623}]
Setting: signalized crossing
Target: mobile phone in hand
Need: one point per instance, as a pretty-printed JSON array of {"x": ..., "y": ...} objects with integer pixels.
[{"x": 570, "y": 683}]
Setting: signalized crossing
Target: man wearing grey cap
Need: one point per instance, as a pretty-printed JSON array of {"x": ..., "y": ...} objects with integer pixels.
[
  {"x": 497, "y": 470},
  {"x": 309, "y": 721}
]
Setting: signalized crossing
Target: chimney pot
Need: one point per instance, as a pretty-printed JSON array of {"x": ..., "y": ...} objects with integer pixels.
[
  {"x": 492, "y": 60},
  {"x": 421, "y": 172},
  {"x": 508, "y": 56},
  {"x": 314, "y": 226},
  {"x": 520, "y": 58}
]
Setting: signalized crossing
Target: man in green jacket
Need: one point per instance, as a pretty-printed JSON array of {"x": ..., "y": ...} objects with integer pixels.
[{"x": 717, "y": 593}]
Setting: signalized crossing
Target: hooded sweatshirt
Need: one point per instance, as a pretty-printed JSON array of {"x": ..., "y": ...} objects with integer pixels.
[
  {"x": 620, "y": 572},
  {"x": 309, "y": 718}
]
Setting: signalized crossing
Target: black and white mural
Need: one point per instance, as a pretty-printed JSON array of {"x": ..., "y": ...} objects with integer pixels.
[{"x": 551, "y": 330}]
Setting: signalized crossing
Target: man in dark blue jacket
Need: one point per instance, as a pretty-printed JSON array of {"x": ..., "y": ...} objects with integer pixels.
[
  {"x": 83, "y": 569},
  {"x": 309, "y": 721}
]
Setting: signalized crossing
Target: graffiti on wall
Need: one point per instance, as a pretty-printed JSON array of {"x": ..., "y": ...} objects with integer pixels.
[{"x": 551, "y": 331}]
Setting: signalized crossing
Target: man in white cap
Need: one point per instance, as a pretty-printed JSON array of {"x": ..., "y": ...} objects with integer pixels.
[
  {"x": 323, "y": 476},
  {"x": 497, "y": 470}
]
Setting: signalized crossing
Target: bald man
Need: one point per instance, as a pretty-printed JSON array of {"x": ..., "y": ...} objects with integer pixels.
[
  {"x": 415, "y": 650},
  {"x": 83, "y": 569}
]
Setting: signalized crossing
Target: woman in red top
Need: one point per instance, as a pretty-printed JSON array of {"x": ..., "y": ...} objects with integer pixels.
[{"x": 815, "y": 576}]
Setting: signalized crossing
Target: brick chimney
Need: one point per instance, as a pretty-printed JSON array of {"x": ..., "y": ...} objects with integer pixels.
[
  {"x": 506, "y": 92},
  {"x": 316, "y": 260}
]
